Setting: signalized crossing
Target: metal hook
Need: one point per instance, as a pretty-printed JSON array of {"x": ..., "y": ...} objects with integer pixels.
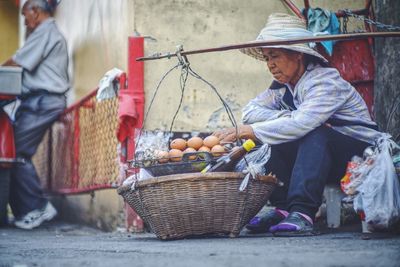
[{"x": 182, "y": 58}]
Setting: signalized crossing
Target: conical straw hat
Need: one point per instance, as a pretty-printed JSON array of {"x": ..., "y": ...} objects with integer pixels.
[{"x": 280, "y": 27}]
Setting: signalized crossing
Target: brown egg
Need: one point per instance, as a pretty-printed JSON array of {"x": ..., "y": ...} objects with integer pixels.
[
  {"x": 190, "y": 150},
  {"x": 217, "y": 150},
  {"x": 195, "y": 142},
  {"x": 175, "y": 154},
  {"x": 204, "y": 149},
  {"x": 178, "y": 143},
  {"x": 211, "y": 141},
  {"x": 162, "y": 156}
]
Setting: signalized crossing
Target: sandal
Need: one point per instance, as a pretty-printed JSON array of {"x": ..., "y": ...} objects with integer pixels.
[
  {"x": 262, "y": 224},
  {"x": 295, "y": 224}
]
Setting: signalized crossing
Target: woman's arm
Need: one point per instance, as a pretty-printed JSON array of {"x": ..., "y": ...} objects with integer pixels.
[
  {"x": 231, "y": 134},
  {"x": 321, "y": 98},
  {"x": 266, "y": 106}
]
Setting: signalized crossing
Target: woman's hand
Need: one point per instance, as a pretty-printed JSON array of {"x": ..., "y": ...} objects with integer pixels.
[{"x": 229, "y": 135}]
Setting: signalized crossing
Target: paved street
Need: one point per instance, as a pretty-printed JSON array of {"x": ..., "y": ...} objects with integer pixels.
[{"x": 61, "y": 244}]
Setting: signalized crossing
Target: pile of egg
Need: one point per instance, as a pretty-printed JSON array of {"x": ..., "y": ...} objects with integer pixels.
[{"x": 180, "y": 146}]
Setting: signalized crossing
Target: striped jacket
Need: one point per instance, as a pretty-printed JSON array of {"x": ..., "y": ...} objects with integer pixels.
[{"x": 319, "y": 95}]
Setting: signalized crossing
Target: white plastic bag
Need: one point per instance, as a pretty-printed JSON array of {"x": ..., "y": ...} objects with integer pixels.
[
  {"x": 253, "y": 164},
  {"x": 106, "y": 88},
  {"x": 379, "y": 191}
]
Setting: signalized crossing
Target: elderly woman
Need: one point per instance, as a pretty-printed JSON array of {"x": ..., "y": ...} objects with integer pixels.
[{"x": 314, "y": 121}]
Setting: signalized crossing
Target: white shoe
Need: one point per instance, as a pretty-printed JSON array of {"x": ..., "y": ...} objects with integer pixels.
[{"x": 36, "y": 217}]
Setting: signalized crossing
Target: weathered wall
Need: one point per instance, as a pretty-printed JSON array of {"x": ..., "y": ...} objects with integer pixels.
[
  {"x": 96, "y": 32},
  {"x": 102, "y": 209},
  {"x": 8, "y": 29},
  {"x": 387, "y": 71},
  {"x": 202, "y": 24}
]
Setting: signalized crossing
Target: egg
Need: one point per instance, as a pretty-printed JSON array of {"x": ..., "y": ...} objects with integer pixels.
[
  {"x": 211, "y": 141},
  {"x": 162, "y": 156},
  {"x": 190, "y": 150},
  {"x": 178, "y": 143},
  {"x": 195, "y": 142},
  {"x": 204, "y": 149},
  {"x": 175, "y": 154},
  {"x": 217, "y": 150}
]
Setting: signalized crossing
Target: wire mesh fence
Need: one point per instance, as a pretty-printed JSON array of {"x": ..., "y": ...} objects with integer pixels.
[{"x": 80, "y": 151}]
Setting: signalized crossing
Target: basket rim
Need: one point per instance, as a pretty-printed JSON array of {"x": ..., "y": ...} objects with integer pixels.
[{"x": 198, "y": 176}]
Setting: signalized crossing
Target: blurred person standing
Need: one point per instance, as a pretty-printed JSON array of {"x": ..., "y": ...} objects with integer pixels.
[{"x": 44, "y": 60}]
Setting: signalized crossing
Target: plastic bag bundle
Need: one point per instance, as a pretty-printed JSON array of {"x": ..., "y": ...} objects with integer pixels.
[
  {"x": 375, "y": 181},
  {"x": 147, "y": 146},
  {"x": 136, "y": 177},
  {"x": 149, "y": 142},
  {"x": 253, "y": 164},
  {"x": 258, "y": 157}
]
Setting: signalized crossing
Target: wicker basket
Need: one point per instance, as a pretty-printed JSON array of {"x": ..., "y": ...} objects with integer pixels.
[{"x": 185, "y": 205}]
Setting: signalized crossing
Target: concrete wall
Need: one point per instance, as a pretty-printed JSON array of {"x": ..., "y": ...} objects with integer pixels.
[
  {"x": 97, "y": 33},
  {"x": 102, "y": 209},
  {"x": 202, "y": 24},
  {"x": 8, "y": 29}
]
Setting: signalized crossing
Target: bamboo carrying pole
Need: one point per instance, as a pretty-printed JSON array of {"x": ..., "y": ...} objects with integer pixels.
[{"x": 337, "y": 37}]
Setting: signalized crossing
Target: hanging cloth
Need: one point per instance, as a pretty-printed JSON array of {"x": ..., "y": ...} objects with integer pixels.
[
  {"x": 323, "y": 21},
  {"x": 128, "y": 114}
]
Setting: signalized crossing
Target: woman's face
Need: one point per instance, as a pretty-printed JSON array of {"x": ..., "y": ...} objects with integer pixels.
[{"x": 285, "y": 65}]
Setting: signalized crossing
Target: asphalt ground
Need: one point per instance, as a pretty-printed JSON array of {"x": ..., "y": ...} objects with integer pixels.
[{"x": 62, "y": 244}]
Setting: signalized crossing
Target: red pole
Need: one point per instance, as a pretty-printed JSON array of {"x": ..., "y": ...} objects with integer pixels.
[
  {"x": 75, "y": 154},
  {"x": 294, "y": 8},
  {"x": 135, "y": 85}
]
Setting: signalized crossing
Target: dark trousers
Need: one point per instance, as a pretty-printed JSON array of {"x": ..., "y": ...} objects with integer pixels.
[
  {"x": 306, "y": 165},
  {"x": 33, "y": 118}
]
